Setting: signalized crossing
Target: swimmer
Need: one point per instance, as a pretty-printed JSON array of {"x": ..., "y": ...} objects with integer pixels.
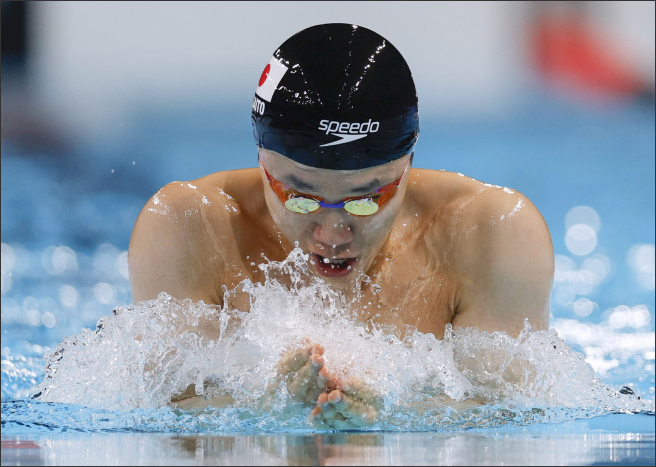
[{"x": 336, "y": 122}]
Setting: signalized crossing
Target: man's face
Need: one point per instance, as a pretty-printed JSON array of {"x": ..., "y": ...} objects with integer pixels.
[{"x": 341, "y": 245}]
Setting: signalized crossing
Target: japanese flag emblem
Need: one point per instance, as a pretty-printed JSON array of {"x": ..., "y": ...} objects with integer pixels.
[{"x": 270, "y": 78}]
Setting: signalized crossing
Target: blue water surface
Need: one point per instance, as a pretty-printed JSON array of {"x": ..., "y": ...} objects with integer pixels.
[{"x": 67, "y": 218}]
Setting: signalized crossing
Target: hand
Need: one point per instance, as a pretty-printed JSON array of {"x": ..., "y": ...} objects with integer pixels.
[
  {"x": 304, "y": 373},
  {"x": 351, "y": 406}
]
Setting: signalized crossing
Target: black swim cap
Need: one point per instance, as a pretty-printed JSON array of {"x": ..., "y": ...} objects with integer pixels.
[{"x": 336, "y": 96}]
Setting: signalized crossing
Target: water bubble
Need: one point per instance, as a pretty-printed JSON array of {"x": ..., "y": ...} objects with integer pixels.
[
  {"x": 104, "y": 260},
  {"x": 581, "y": 239},
  {"x": 10, "y": 310},
  {"x": 639, "y": 316},
  {"x": 619, "y": 318},
  {"x": 8, "y": 258},
  {"x": 21, "y": 317},
  {"x": 599, "y": 265},
  {"x": 564, "y": 265},
  {"x": 105, "y": 293},
  {"x": 30, "y": 303},
  {"x": 583, "y": 282},
  {"x": 48, "y": 319},
  {"x": 641, "y": 261},
  {"x": 582, "y": 215},
  {"x": 564, "y": 294},
  {"x": 33, "y": 317},
  {"x": 68, "y": 295},
  {"x": 5, "y": 282},
  {"x": 56, "y": 260},
  {"x": 122, "y": 264},
  {"x": 21, "y": 257},
  {"x": 583, "y": 307}
]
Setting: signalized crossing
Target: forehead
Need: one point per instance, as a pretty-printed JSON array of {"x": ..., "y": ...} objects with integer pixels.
[{"x": 339, "y": 183}]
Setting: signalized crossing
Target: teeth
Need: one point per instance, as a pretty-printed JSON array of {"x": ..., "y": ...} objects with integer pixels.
[{"x": 336, "y": 262}]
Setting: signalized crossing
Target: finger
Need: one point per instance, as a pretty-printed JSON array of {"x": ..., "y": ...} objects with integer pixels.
[
  {"x": 322, "y": 400},
  {"x": 307, "y": 376},
  {"x": 316, "y": 348},
  {"x": 326, "y": 407},
  {"x": 357, "y": 389},
  {"x": 299, "y": 357},
  {"x": 316, "y": 417},
  {"x": 339, "y": 422},
  {"x": 327, "y": 379},
  {"x": 294, "y": 360},
  {"x": 360, "y": 413}
]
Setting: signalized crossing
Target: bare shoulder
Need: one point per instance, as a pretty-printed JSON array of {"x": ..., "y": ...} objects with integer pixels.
[
  {"x": 504, "y": 255},
  {"x": 499, "y": 251},
  {"x": 234, "y": 190},
  {"x": 438, "y": 192},
  {"x": 176, "y": 244},
  {"x": 503, "y": 220},
  {"x": 481, "y": 217}
]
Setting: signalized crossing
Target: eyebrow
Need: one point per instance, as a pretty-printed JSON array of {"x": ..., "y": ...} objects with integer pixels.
[
  {"x": 295, "y": 182},
  {"x": 370, "y": 187},
  {"x": 301, "y": 185}
]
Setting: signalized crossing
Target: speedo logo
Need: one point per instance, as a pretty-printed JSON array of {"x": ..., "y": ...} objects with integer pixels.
[{"x": 347, "y": 131}]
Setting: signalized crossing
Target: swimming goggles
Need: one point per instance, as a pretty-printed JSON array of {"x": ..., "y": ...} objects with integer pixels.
[{"x": 358, "y": 206}]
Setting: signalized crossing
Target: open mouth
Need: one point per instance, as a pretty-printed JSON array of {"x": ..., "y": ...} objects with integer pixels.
[{"x": 333, "y": 267}]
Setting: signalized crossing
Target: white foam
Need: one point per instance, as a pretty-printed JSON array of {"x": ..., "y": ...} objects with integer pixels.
[{"x": 144, "y": 353}]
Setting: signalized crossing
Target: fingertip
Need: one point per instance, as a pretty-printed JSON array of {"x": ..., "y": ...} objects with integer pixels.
[
  {"x": 317, "y": 361},
  {"x": 322, "y": 400},
  {"x": 335, "y": 396},
  {"x": 317, "y": 349},
  {"x": 350, "y": 385}
]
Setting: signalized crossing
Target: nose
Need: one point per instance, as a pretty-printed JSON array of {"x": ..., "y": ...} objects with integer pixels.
[{"x": 333, "y": 230}]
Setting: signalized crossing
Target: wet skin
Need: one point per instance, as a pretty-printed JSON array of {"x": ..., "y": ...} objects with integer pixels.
[{"x": 446, "y": 249}]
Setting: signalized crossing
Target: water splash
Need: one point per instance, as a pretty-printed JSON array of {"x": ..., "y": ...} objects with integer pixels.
[{"x": 136, "y": 359}]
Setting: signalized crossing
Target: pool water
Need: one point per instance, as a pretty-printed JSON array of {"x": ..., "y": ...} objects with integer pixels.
[
  {"x": 598, "y": 441},
  {"x": 66, "y": 222}
]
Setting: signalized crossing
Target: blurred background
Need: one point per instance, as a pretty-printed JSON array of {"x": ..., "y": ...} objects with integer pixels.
[{"x": 105, "y": 102}]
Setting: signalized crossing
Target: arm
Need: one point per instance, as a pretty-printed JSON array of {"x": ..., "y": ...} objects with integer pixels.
[
  {"x": 506, "y": 269},
  {"x": 169, "y": 249},
  {"x": 168, "y": 243},
  {"x": 506, "y": 265}
]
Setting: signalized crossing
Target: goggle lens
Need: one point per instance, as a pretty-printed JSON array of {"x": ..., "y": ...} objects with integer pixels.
[
  {"x": 361, "y": 207},
  {"x": 302, "y": 205},
  {"x": 357, "y": 207}
]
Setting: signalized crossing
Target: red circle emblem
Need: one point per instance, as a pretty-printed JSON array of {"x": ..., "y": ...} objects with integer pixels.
[{"x": 265, "y": 73}]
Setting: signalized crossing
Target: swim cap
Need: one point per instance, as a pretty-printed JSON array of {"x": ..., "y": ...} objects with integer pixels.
[{"x": 336, "y": 96}]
